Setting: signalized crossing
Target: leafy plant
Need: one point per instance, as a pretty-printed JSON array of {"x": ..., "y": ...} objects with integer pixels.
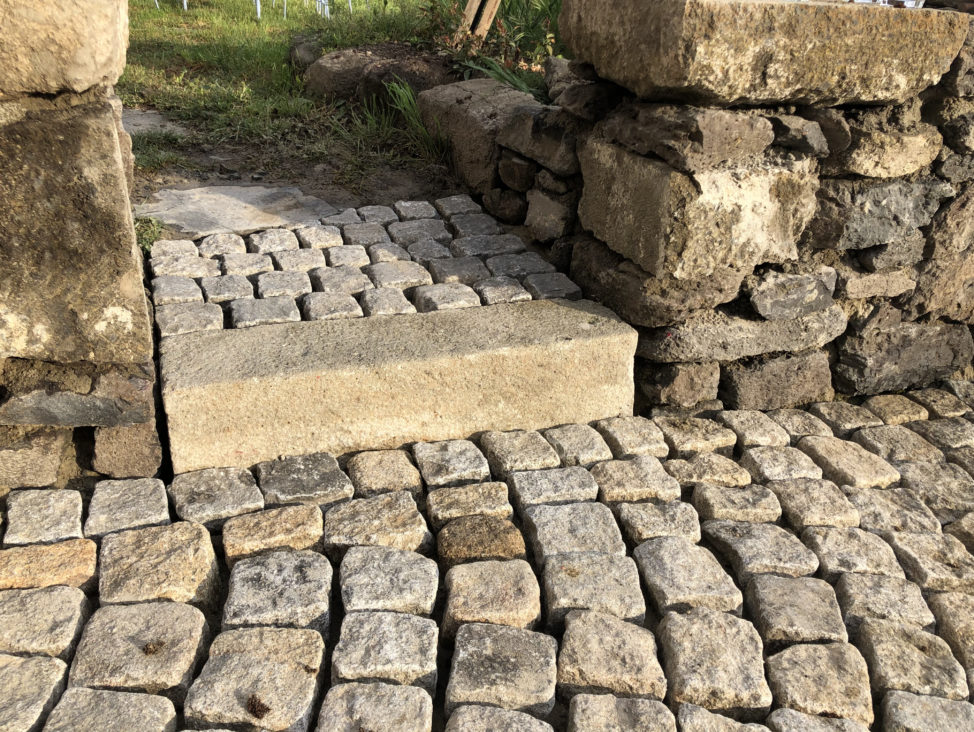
[
  {"x": 402, "y": 99},
  {"x": 147, "y": 232},
  {"x": 525, "y": 80}
]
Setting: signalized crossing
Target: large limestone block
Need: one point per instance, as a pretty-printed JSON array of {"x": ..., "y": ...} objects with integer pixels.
[
  {"x": 235, "y": 398},
  {"x": 761, "y": 52},
  {"x": 670, "y": 223},
  {"x": 72, "y": 278},
  {"x": 64, "y": 45}
]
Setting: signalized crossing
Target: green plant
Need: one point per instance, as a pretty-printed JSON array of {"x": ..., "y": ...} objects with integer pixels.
[
  {"x": 430, "y": 145},
  {"x": 522, "y": 79},
  {"x": 147, "y": 231},
  {"x": 156, "y": 150}
]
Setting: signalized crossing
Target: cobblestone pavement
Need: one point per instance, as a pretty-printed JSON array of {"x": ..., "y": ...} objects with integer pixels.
[{"x": 808, "y": 570}]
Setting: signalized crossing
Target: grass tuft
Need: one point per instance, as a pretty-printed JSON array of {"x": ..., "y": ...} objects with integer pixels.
[{"x": 147, "y": 232}]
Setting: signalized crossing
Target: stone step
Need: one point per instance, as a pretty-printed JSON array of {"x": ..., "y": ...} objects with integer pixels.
[{"x": 238, "y": 397}]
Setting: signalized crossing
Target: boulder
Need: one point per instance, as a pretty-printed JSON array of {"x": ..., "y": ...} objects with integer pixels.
[
  {"x": 417, "y": 72},
  {"x": 954, "y": 118},
  {"x": 546, "y": 135},
  {"x": 679, "y": 384},
  {"x": 890, "y": 153},
  {"x": 336, "y": 75}
]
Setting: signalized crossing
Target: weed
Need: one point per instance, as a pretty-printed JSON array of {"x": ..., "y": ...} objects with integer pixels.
[
  {"x": 155, "y": 150},
  {"x": 430, "y": 145},
  {"x": 147, "y": 232}
]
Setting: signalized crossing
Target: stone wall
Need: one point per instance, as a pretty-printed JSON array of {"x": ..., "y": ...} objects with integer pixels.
[
  {"x": 75, "y": 336},
  {"x": 781, "y": 219}
]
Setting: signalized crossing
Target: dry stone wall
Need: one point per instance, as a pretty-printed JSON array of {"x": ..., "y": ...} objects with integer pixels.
[
  {"x": 75, "y": 336},
  {"x": 781, "y": 226}
]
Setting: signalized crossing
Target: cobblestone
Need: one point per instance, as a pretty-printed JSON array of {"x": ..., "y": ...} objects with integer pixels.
[
  {"x": 708, "y": 467},
  {"x": 946, "y": 434},
  {"x": 643, "y": 521},
  {"x": 794, "y": 610},
  {"x": 946, "y": 489},
  {"x": 632, "y": 437},
  {"x": 753, "y": 503},
  {"x": 209, "y": 497},
  {"x": 936, "y": 562},
  {"x": 892, "y": 509},
  {"x": 325, "y": 306},
  {"x": 226, "y": 288},
  {"x": 292, "y": 527},
  {"x": 217, "y": 244},
  {"x": 391, "y": 647},
  {"x": 807, "y": 502},
  {"x": 498, "y": 290},
  {"x": 680, "y": 576},
  {"x": 844, "y": 418},
  {"x": 754, "y": 429},
  {"x": 555, "y": 485},
  {"x": 111, "y": 711},
  {"x": 477, "y": 538},
  {"x": 592, "y": 581},
  {"x": 691, "y": 435},
  {"x": 601, "y": 713},
  {"x": 247, "y": 312},
  {"x": 897, "y": 444},
  {"x": 380, "y": 578},
  {"x": 188, "y": 318},
  {"x": 905, "y": 712},
  {"x": 464, "y": 270},
  {"x": 385, "y": 301},
  {"x": 390, "y": 519},
  {"x": 846, "y": 463},
  {"x": 850, "y": 550},
  {"x": 450, "y": 463},
  {"x": 477, "y": 499},
  {"x": 939, "y": 404},
  {"x": 169, "y": 290},
  {"x": 298, "y": 260},
  {"x": 954, "y": 612},
  {"x": 877, "y": 597},
  {"x": 310, "y": 479},
  {"x": 508, "y": 452},
  {"x": 453, "y": 296},
  {"x": 760, "y": 549},
  {"x": 798, "y": 424},
  {"x": 572, "y": 527},
  {"x": 376, "y": 706},
  {"x": 246, "y": 265},
  {"x": 895, "y": 409},
  {"x": 72, "y": 563},
  {"x": 271, "y": 240},
  {"x": 363, "y": 235},
  {"x": 634, "y": 480},
  {"x": 963, "y": 530},
  {"x": 477, "y": 718},
  {"x": 383, "y": 471},
  {"x": 42, "y": 622},
  {"x": 340, "y": 280},
  {"x": 42, "y": 516},
  {"x": 497, "y": 592}
]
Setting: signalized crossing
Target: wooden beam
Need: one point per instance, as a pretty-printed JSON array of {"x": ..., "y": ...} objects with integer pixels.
[{"x": 478, "y": 17}]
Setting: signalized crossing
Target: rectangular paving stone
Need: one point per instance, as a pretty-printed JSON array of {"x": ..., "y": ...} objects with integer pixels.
[
  {"x": 551, "y": 286},
  {"x": 962, "y": 456},
  {"x": 188, "y": 317},
  {"x": 426, "y": 250},
  {"x": 878, "y": 597},
  {"x": 226, "y": 288},
  {"x": 578, "y": 444},
  {"x": 681, "y": 576},
  {"x": 947, "y": 434},
  {"x": 495, "y": 290},
  {"x": 552, "y": 486},
  {"x": 387, "y": 253},
  {"x": 386, "y": 301},
  {"x": 897, "y": 444},
  {"x": 688, "y": 436},
  {"x": 708, "y": 467},
  {"x": 46, "y": 621},
  {"x": 80, "y": 710},
  {"x": 936, "y": 562},
  {"x": 518, "y": 266},
  {"x": 282, "y": 284},
  {"x": 844, "y": 418},
  {"x": 291, "y": 527},
  {"x": 497, "y": 592},
  {"x": 508, "y": 452},
  {"x": 895, "y": 409},
  {"x": 633, "y": 436},
  {"x": 456, "y": 205},
  {"x": 390, "y": 519},
  {"x": 451, "y": 462},
  {"x": 644, "y": 521},
  {"x": 312, "y": 479},
  {"x": 697, "y": 719},
  {"x": 846, "y": 463},
  {"x": 790, "y": 610},
  {"x": 453, "y": 296},
  {"x": 760, "y": 549},
  {"x": 192, "y": 266},
  {"x": 955, "y": 624},
  {"x": 377, "y": 214},
  {"x": 799, "y": 423},
  {"x": 572, "y": 527},
  {"x": 398, "y": 274},
  {"x": 598, "y": 712},
  {"x": 891, "y": 509},
  {"x": 376, "y": 706},
  {"x": 364, "y": 235},
  {"x": 779, "y": 463},
  {"x": 117, "y": 505},
  {"x": 246, "y": 265},
  {"x": 808, "y": 502},
  {"x": 946, "y": 489},
  {"x": 605, "y": 583},
  {"x": 211, "y": 496},
  {"x": 42, "y": 516},
  {"x": 465, "y": 270},
  {"x": 169, "y": 290},
  {"x": 753, "y": 428},
  {"x": 247, "y": 312},
  {"x": 850, "y": 550},
  {"x": 478, "y": 718},
  {"x": 392, "y": 647},
  {"x": 216, "y": 244},
  {"x": 72, "y": 563},
  {"x": 31, "y": 687},
  {"x": 519, "y": 371},
  {"x": 325, "y": 306},
  {"x": 339, "y": 280},
  {"x": 405, "y": 233},
  {"x": 486, "y": 246},
  {"x": 298, "y": 260},
  {"x": 383, "y": 471},
  {"x": 347, "y": 216},
  {"x": 477, "y": 499},
  {"x": 478, "y": 538},
  {"x": 348, "y": 255},
  {"x": 383, "y": 578},
  {"x": 271, "y": 240},
  {"x": 474, "y": 224},
  {"x": 319, "y": 237},
  {"x": 749, "y": 503},
  {"x": 173, "y": 248},
  {"x": 905, "y": 712},
  {"x": 411, "y": 210},
  {"x": 963, "y": 530}
]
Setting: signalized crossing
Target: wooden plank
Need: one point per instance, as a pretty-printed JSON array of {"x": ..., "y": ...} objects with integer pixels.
[{"x": 488, "y": 12}]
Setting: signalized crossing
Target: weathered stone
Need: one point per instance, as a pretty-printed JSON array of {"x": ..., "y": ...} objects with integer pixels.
[
  {"x": 283, "y": 284},
  {"x": 713, "y": 659},
  {"x": 477, "y": 718},
  {"x": 550, "y": 216},
  {"x": 31, "y": 686},
  {"x": 799, "y": 134},
  {"x": 760, "y": 549},
  {"x": 681, "y": 384},
  {"x": 953, "y": 117},
  {"x": 689, "y": 436},
  {"x": 557, "y": 485},
  {"x": 546, "y": 135},
  {"x": 592, "y": 581},
  {"x": 42, "y": 517},
  {"x": 405, "y": 233},
  {"x": 381, "y": 646},
  {"x": 270, "y": 671},
  {"x": 891, "y": 509},
  {"x": 117, "y": 505},
  {"x": 578, "y": 444},
  {"x": 379, "y": 253},
  {"x": 844, "y": 418},
  {"x": 292, "y": 527},
  {"x": 152, "y": 648},
  {"x": 602, "y": 712},
  {"x": 325, "y": 306},
  {"x": 169, "y": 290},
  {"x": 340, "y": 280},
  {"x": 297, "y": 260},
  {"x": 857, "y": 285},
  {"x": 465, "y": 270},
  {"x": 841, "y": 550},
  {"x": 244, "y": 265},
  {"x": 380, "y": 578},
  {"x": 506, "y": 667},
  {"x": 452, "y": 296},
  {"x": 311, "y": 479},
  {"x": 398, "y": 274},
  {"x": 479, "y": 538},
  {"x": 946, "y": 433},
  {"x": 475, "y": 224},
  {"x": 552, "y": 286},
  {"x": 681, "y": 576},
  {"x": 846, "y": 463},
  {"x": 938, "y": 563},
  {"x": 811, "y": 502},
  {"x": 939, "y": 403},
  {"x": 963, "y": 530},
  {"x": 877, "y": 597},
  {"x": 209, "y": 497},
  {"x": 692, "y": 718},
  {"x": 271, "y": 240},
  {"x": 795, "y": 610},
  {"x": 905, "y": 712},
  {"x": 518, "y": 266},
  {"x": 888, "y": 153},
  {"x": 390, "y": 519},
  {"x": 753, "y": 428},
  {"x": 946, "y": 489},
  {"x": 247, "y": 312},
  {"x": 479, "y": 499},
  {"x": 72, "y": 563},
  {"x": 500, "y": 290},
  {"x": 383, "y": 471},
  {"x": 452, "y": 462},
  {"x": 770, "y": 463},
  {"x": 42, "y": 622},
  {"x": 644, "y": 521},
  {"x": 385, "y": 301},
  {"x": 376, "y": 706},
  {"x": 486, "y": 246},
  {"x": 777, "y": 296},
  {"x": 897, "y": 444},
  {"x": 749, "y": 503},
  {"x": 573, "y": 527},
  {"x": 955, "y": 624},
  {"x": 456, "y": 205},
  {"x": 173, "y": 562},
  {"x": 895, "y": 409},
  {"x": 347, "y": 216},
  {"x": 508, "y": 452},
  {"x": 111, "y": 711},
  {"x": 638, "y": 479},
  {"x": 783, "y": 381},
  {"x": 632, "y": 437},
  {"x": 128, "y": 451},
  {"x": 337, "y": 74},
  {"x": 799, "y": 423},
  {"x": 501, "y": 593},
  {"x": 32, "y": 460}
]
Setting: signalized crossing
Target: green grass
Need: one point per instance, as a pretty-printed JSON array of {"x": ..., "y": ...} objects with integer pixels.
[
  {"x": 147, "y": 231},
  {"x": 157, "y": 150}
]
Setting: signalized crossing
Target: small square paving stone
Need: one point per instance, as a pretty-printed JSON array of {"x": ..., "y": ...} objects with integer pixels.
[
  {"x": 842, "y": 550},
  {"x": 963, "y": 531},
  {"x": 877, "y": 597},
  {"x": 383, "y": 471},
  {"x": 152, "y": 647},
  {"x": 831, "y": 680},
  {"x": 325, "y": 306},
  {"x": 808, "y": 502},
  {"x": 572, "y": 527},
  {"x": 380, "y": 578},
  {"x": 347, "y": 216},
  {"x": 340, "y": 280},
  {"x": 592, "y": 581},
  {"x": 478, "y": 718},
  {"x": 290, "y": 527},
  {"x": 217, "y": 244},
  {"x": 962, "y": 456},
  {"x": 72, "y": 563},
  {"x": 412, "y": 210},
  {"x": 798, "y": 424},
  {"x": 456, "y": 205},
  {"x": 42, "y": 622},
  {"x": 83, "y": 710},
  {"x": 350, "y": 255},
  {"x": 479, "y": 499},
  {"x": 643, "y": 521},
  {"x": 474, "y": 224},
  {"x": 248, "y": 312},
  {"x": 174, "y": 562},
  {"x": 192, "y": 266},
  {"x": 897, "y": 444},
  {"x": 552, "y": 286},
  {"x": 501, "y": 666},
  {"x": 486, "y": 246},
  {"x": 398, "y": 274},
  {"x": 891, "y": 509},
  {"x": 687, "y": 436},
  {"x": 697, "y": 719},
  {"x": 451, "y": 462},
  {"x": 961, "y": 388},
  {"x": 43, "y": 516},
  {"x": 168, "y": 290},
  {"x": 426, "y": 250},
  {"x": 375, "y": 706},
  {"x": 245, "y": 265},
  {"x": 31, "y": 686},
  {"x": 299, "y": 260},
  {"x": 477, "y": 538},
  {"x": 173, "y": 248},
  {"x": 497, "y": 592},
  {"x": 844, "y": 418},
  {"x": 905, "y": 712},
  {"x": 381, "y": 646},
  {"x": 555, "y": 485},
  {"x": 750, "y": 503},
  {"x": 257, "y": 678},
  {"x": 895, "y": 409},
  {"x": 498, "y": 290},
  {"x": 311, "y": 479},
  {"x": 760, "y": 549},
  {"x": 713, "y": 660},
  {"x": 955, "y": 624},
  {"x": 319, "y": 237},
  {"x": 681, "y": 576},
  {"x": 386, "y": 301},
  {"x": 846, "y": 463},
  {"x": 465, "y": 270},
  {"x": 282, "y": 284},
  {"x": 430, "y": 298},
  {"x": 790, "y": 720},
  {"x": 405, "y": 233},
  {"x": 904, "y": 658},
  {"x": 632, "y": 437},
  {"x": 946, "y": 489},
  {"x": 779, "y": 463},
  {"x": 578, "y": 444},
  {"x": 226, "y": 288},
  {"x": 377, "y": 214},
  {"x": 519, "y": 266},
  {"x": 188, "y": 317},
  {"x": 508, "y": 452},
  {"x": 272, "y": 240},
  {"x": 601, "y": 654},
  {"x": 213, "y": 495},
  {"x": 604, "y": 713},
  {"x": 946, "y": 434},
  {"x": 794, "y": 610},
  {"x": 939, "y": 403},
  {"x": 387, "y": 253},
  {"x": 754, "y": 429},
  {"x": 288, "y": 589},
  {"x": 936, "y": 562},
  {"x": 708, "y": 467},
  {"x": 390, "y": 519}
]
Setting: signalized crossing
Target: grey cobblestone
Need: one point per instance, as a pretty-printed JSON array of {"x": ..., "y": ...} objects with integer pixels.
[
  {"x": 643, "y": 521},
  {"x": 691, "y": 435},
  {"x": 456, "y": 205},
  {"x": 117, "y": 505},
  {"x": 385, "y": 301},
  {"x": 708, "y": 467},
  {"x": 391, "y": 520},
  {"x": 192, "y": 266},
  {"x": 398, "y": 274},
  {"x": 465, "y": 270},
  {"x": 298, "y": 260},
  {"x": 946, "y": 434},
  {"x": 844, "y": 418},
  {"x": 340, "y": 280},
  {"x": 111, "y": 711},
  {"x": 477, "y": 718},
  {"x": 552, "y": 286},
  {"x": 383, "y": 471},
  {"x": 555, "y": 485},
  {"x": 376, "y": 706},
  {"x": 474, "y": 224},
  {"x": 681, "y": 576},
  {"x": 496, "y": 290},
  {"x": 326, "y": 306},
  {"x": 897, "y": 444},
  {"x": 963, "y": 530},
  {"x": 451, "y": 462},
  {"x": 394, "y": 648},
  {"x": 169, "y": 290},
  {"x": 478, "y": 499},
  {"x": 635, "y": 480},
  {"x": 572, "y": 527},
  {"x": 311, "y": 479},
  {"x": 760, "y": 549},
  {"x": 173, "y": 248},
  {"x": 754, "y": 429},
  {"x": 794, "y": 610},
  {"x": 807, "y": 502},
  {"x": 936, "y": 562},
  {"x": 226, "y": 288},
  {"x": 377, "y": 214},
  {"x": 891, "y": 509},
  {"x": 497, "y": 592},
  {"x": 601, "y": 713},
  {"x": 271, "y": 240},
  {"x": 454, "y": 296},
  {"x": 319, "y": 237},
  {"x": 42, "y": 516},
  {"x": 850, "y": 550},
  {"x": 283, "y": 284},
  {"x": 895, "y": 409},
  {"x": 518, "y": 266},
  {"x": 508, "y": 452},
  {"x": 387, "y": 253},
  {"x": 905, "y": 712},
  {"x": 394, "y": 580},
  {"x": 411, "y": 210},
  {"x": 779, "y": 463},
  {"x": 877, "y": 597},
  {"x": 291, "y": 527},
  {"x": 799, "y": 423},
  {"x": 592, "y": 581},
  {"x": 578, "y": 444},
  {"x": 753, "y": 503},
  {"x": 42, "y": 622},
  {"x": 246, "y": 313},
  {"x": 846, "y": 463},
  {"x": 939, "y": 404},
  {"x": 188, "y": 318},
  {"x": 946, "y": 489},
  {"x": 405, "y": 233},
  {"x": 211, "y": 496},
  {"x": 364, "y": 235},
  {"x": 245, "y": 265}
]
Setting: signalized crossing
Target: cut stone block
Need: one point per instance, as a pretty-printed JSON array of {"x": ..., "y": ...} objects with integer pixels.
[
  {"x": 779, "y": 464},
  {"x": 35, "y": 460},
  {"x": 247, "y": 312},
  {"x": 325, "y": 306},
  {"x": 578, "y": 444},
  {"x": 877, "y": 597},
  {"x": 955, "y": 624},
  {"x": 905, "y": 712},
  {"x": 319, "y": 237},
  {"x": 841, "y": 550},
  {"x": 601, "y": 712},
  {"x": 475, "y": 224},
  {"x": 127, "y": 451},
  {"x": 391, "y": 520},
  {"x": 808, "y": 502},
  {"x": 271, "y": 240},
  {"x": 789, "y": 720},
  {"x": 152, "y": 648},
  {"x": 42, "y": 517},
  {"x": 556, "y": 485},
  {"x": 753, "y": 428},
  {"x": 639, "y": 479},
  {"x": 192, "y": 266},
  {"x": 310, "y": 479},
  {"x": 519, "y": 371},
  {"x": 405, "y": 233},
  {"x": 42, "y": 622},
  {"x": 291, "y": 527},
  {"x": 505, "y": 667},
  {"x": 465, "y": 270},
  {"x": 380, "y": 578},
  {"x": 348, "y": 216},
  {"x": 398, "y": 274},
  {"x": 383, "y": 471},
  {"x": 289, "y": 589},
  {"x": 501, "y": 593},
  {"x": 936, "y": 562},
  {"x": 257, "y": 678},
  {"x": 111, "y": 711},
  {"x": 687, "y": 437},
  {"x": 386, "y": 301},
  {"x": 697, "y": 719},
  {"x": 897, "y": 444},
  {"x": 176, "y": 248},
  {"x": 794, "y": 610},
  {"x": 939, "y": 403},
  {"x": 892, "y": 509},
  {"x": 173, "y": 562},
  {"x": 188, "y": 317},
  {"x": 361, "y": 236},
  {"x": 340, "y": 280},
  {"x": 518, "y": 266},
  {"x": 424, "y": 252},
  {"x": 478, "y": 538},
  {"x": 169, "y": 290},
  {"x": 376, "y": 706},
  {"x": 846, "y": 463},
  {"x": 708, "y": 467},
  {"x": 947, "y": 434},
  {"x": 378, "y": 214},
  {"x": 380, "y": 646},
  {"x": 632, "y": 437},
  {"x": 456, "y": 205},
  {"x": 713, "y": 660},
  {"x": 831, "y": 680},
  {"x": 31, "y": 687},
  {"x": 479, "y": 499},
  {"x": 904, "y": 658},
  {"x": 211, "y": 496},
  {"x": 592, "y": 581},
  {"x": 552, "y": 285},
  {"x": 217, "y": 244},
  {"x": 72, "y": 563},
  {"x": 760, "y": 549},
  {"x": 799, "y": 423},
  {"x": 453, "y": 296},
  {"x": 963, "y": 530},
  {"x": 681, "y": 576},
  {"x": 844, "y": 418},
  {"x": 946, "y": 489},
  {"x": 412, "y": 210},
  {"x": 283, "y": 284},
  {"x": 246, "y": 265},
  {"x": 751, "y": 503},
  {"x": 387, "y": 253},
  {"x": 895, "y": 409},
  {"x": 451, "y": 462},
  {"x": 644, "y": 521},
  {"x": 573, "y": 527},
  {"x": 508, "y": 452},
  {"x": 226, "y": 288},
  {"x": 486, "y": 246},
  {"x": 496, "y": 290},
  {"x": 477, "y": 718}
]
